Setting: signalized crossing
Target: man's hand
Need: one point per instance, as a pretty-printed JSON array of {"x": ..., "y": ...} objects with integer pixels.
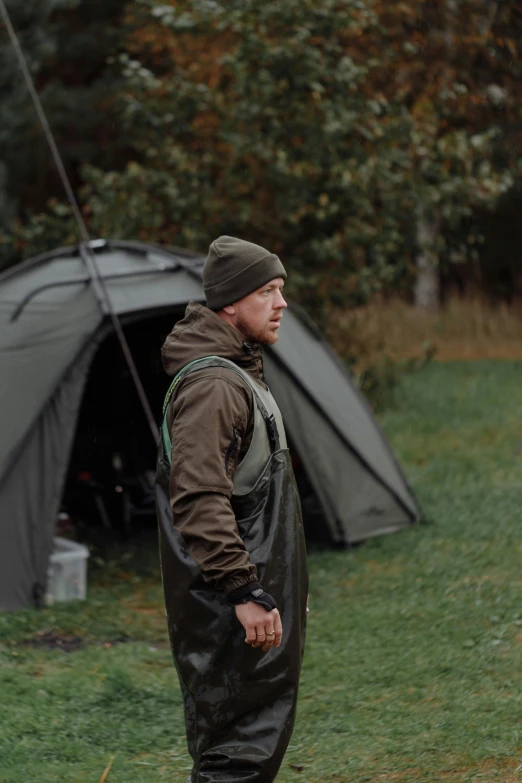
[{"x": 263, "y": 629}]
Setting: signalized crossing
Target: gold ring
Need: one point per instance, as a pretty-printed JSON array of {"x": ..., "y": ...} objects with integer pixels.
[{"x": 271, "y": 634}]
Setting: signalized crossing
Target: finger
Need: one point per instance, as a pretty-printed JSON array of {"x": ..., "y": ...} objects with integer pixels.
[
  {"x": 250, "y": 634},
  {"x": 270, "y": 637},
  {"x": 278, "y": 628},
  {"x": 260, "y": 635}
]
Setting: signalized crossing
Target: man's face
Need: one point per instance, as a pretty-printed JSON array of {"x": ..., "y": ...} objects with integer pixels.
[{"x": 259, "y": 314}]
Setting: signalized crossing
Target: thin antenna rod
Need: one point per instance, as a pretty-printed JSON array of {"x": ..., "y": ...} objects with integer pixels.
[{"x": 86, "y": 252}]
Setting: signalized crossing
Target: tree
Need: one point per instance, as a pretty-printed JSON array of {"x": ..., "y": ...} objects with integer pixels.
[
  {"x": 355, "y": 138},
  {"x": 456, "y": 68},
  {"x": 18, "y": 121},
  {"x": 66, "y": 44},
  {"x": 254, "y": 118}
]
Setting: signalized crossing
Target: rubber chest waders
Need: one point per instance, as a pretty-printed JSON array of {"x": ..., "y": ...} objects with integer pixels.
[{"x": 239, "y": 702}]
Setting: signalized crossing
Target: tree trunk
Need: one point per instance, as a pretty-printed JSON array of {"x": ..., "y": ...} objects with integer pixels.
[{"x": 427, "y": 286}]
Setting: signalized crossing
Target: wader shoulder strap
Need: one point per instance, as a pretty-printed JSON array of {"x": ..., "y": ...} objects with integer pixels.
[{"x": 217, "y": 361}]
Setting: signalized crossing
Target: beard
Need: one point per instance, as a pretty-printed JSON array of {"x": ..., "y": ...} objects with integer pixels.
[{"x": 265, "y": 335}]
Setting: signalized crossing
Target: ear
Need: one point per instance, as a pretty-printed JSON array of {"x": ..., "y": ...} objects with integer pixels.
[{"x": 230, "y": 309}]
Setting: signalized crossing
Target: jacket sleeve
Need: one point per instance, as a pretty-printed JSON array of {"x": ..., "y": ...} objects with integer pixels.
[{"x": 205, "y": 413}]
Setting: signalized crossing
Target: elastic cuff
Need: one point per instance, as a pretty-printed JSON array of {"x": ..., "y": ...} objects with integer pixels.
[
  {"x": 236, "y": 596},
  {"x": 230, "y": 585},
  {"x": 252, "y": 592},
  {"x": 260, "y": 597}
]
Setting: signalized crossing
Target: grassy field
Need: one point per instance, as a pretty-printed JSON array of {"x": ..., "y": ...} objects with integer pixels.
[{"x": 414, "y": 657}]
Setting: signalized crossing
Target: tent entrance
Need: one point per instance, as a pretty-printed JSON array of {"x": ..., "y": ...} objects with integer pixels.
[{"x": 110, "y": 478}]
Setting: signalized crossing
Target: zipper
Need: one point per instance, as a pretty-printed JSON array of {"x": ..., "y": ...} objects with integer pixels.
[{"x": 232, "y": 447}]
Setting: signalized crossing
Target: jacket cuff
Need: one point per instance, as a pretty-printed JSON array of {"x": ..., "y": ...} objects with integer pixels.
[
  {"x": 246, "y": 594},
  {"x": 236, "y": 583},
  {"x": 236, "y": 596}
]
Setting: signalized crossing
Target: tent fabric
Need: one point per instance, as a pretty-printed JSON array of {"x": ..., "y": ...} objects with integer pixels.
[
  {"x": 355, "y": 509},
  {"x": 304, "y": 355},
  {"x": 59, "y": 320},
  {"x": 35, "y": 352},
  {"x": 31, "y": 492},
  {"x": 50, "y": 327}
]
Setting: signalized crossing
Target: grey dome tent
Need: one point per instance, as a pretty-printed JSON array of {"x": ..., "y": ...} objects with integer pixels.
[{"x": 51, "y": 331}]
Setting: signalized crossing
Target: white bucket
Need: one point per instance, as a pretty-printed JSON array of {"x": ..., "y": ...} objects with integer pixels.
[{"x": 67, "y": 572}]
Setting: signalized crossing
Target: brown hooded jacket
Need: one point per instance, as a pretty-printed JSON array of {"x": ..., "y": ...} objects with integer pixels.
[{"x": 210, "y": 419}]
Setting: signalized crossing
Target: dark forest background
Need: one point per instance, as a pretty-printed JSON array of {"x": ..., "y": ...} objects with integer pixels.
[{"x": 375, "y": 146}]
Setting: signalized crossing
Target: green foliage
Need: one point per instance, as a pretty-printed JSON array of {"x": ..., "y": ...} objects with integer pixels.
[
  {"x": 412, "y": 669},
  {"x": 65, "y": 43},
  {"x": 270, "y": 143},
  {"x": 18, "y": 120},
  {"x": 330, "y": 132},
  {"x": 379, "y": 380}
]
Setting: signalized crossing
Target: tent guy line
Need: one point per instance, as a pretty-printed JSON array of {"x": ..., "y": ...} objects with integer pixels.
[
  {"x": 85, "y": 250},
  {"x": 85, "y": 280},
  {"x": 190, "y": 261},
  {"x": 165, "y": 264}
]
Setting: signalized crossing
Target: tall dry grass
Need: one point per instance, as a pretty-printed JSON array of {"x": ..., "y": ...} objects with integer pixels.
[{"x": 463, "y": 328}]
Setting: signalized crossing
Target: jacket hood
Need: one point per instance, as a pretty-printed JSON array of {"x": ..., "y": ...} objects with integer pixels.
[{"x": 203, "y": 333}]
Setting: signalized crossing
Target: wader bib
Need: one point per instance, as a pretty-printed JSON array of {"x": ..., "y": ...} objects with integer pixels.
[{"x": 239, "y": 702}]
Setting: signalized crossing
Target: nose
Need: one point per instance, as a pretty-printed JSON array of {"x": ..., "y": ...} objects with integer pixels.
[{"x": 280, "y": 302}]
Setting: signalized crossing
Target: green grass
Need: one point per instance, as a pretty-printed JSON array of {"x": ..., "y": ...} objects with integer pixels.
[{"x": 414, "y": 652}]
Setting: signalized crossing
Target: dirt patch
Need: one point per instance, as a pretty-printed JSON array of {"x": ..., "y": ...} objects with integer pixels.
[
  {"x": 53, "y": 641},
  {"x": 50, "y": 640},
  {"x": 499, "y": 771}
]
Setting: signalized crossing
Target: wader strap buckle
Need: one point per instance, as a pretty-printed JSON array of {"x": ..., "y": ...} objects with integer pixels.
[{"x": 273, "y": 433}]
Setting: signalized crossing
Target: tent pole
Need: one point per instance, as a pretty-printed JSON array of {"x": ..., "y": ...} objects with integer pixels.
[{"x": 86, "y": 252}]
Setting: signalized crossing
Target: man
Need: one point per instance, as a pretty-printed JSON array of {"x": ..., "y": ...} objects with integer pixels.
[{"x": 231, "y": 540}]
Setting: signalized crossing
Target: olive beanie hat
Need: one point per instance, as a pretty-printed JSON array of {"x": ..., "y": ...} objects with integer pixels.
[{"x": 235, "y": 268}]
